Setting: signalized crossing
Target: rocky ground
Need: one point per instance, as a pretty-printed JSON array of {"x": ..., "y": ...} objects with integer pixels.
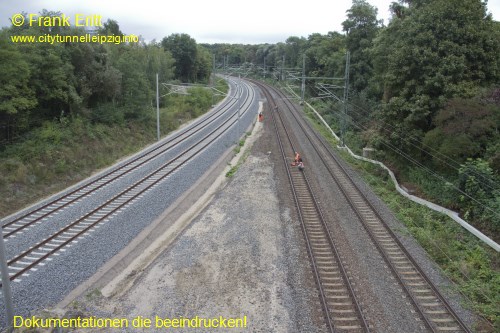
[{"x": 241, "y": 257}]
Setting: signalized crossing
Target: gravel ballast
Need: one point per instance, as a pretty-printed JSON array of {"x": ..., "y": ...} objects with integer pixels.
[
  {"x": 51, "y": 282},
  {"x": 241, "y": 256},
  {"x": 385, "y": 304}
]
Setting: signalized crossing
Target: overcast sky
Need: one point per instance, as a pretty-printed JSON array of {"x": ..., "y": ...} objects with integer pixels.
[{"x": 223, "y": 21}]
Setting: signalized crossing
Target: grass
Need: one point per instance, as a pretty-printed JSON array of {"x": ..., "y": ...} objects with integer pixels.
[
  {"x": 67, "y": 150},
  {"x": 56, "y": 156},
  {"x": 232, "y": 171},
  {"x": 237, "y": 149}
]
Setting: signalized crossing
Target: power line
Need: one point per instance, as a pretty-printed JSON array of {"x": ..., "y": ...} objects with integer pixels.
[
  {"x": 431, "y": 172},
  {"x": 490, "y": 183}
]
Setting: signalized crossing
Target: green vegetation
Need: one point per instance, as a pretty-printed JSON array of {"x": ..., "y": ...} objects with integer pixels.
[
  {"x": 232, "y": 171},
  {"x": 242, "y": 159},
  {"x": 93, "y": 295},
  {"x": 63, "y": 152},
  {"x": 472, "y": 265},
  {"x": 105, "y": 83},
  {"x": 241, "y": 143},
  {"x": 69, "y": 109},
  {"x": 424, "y": 92},
  {"x": 193, "y": 62}
]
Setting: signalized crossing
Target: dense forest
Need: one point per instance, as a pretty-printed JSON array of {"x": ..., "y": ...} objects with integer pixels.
[
  {"x": 104, "y": 82},
  {"x": 424, "y": 90},
  {"x": 68, "y": 109}
]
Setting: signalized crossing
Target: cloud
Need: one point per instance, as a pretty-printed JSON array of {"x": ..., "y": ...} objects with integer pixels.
[{"x": 228, "y": 21}]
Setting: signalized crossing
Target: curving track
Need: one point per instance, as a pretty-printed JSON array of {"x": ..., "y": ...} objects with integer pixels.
[
  {"x": 181, "y": 148},
  {"x": 432, "y": 307},
  {"x": 36, "y": 216}
]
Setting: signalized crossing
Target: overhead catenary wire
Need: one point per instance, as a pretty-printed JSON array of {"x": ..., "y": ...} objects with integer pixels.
[
  {"x": 431, "y": 172},
  {"x": 490, "y": 183},
  {"x": 419, "y": 147},
  {"x": 420, "y": 165},
  {"x": 415, "y": 222}
]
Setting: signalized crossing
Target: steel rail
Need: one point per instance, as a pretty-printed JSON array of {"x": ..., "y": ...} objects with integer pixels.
[
  {"x": 307, "y": 220},
  {"x": 432, "y": 323},
  {"x": 74, "y": 235},
  {"x": 114, "y": 174}
]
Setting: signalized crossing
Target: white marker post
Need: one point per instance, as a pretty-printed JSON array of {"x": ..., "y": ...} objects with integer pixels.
[{"x": 7, "y": 295}]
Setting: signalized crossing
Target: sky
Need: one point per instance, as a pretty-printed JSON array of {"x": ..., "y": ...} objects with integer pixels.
[{"x": 223, "y": 21}]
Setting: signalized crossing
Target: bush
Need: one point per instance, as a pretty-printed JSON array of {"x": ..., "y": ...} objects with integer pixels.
[
  {"x": 68, "y": 149},
  {"x": 108, "y": 114},
  {"x": 480, "y": 195}
]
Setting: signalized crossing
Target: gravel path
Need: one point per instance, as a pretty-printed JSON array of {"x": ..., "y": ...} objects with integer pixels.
[{"x": 240, "y": 257}]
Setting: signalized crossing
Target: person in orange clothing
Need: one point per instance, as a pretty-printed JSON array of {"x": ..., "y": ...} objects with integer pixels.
[{"x": 297, "y": 159}]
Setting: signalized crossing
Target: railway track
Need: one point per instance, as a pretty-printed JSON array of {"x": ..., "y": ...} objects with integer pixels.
[
  {"x": 37, "y": 216},
  {"x": 435, "y": 312},
  {"x": 43, "y": 250},
  {"x": 340, "y": 306}
]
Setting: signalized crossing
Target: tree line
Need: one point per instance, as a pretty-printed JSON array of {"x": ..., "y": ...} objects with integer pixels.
[
  {"x": 107, "y": 83},
  {"x": 424, "y": 90}
]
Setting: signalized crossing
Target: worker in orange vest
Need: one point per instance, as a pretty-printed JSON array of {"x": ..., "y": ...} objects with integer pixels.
[{"x": 297, "y": 159}]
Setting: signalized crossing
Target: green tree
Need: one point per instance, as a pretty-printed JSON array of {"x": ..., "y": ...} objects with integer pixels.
[
  {"x": 137, "y": 91},
  {"x": 438, "y": 50},
  {"x": 325, "y": 55},
  {"x": 159, "y": 62},
  {"x": 465, "y": 128},
  {"x": 48, "y": 29},
  {"x": 361, "y": 28},
  {"x": 203, "y": 64},
  {"x": 183, "y": 49},
  {"x": 51, "y": 77},
  {"x": 97, "y": 80},
  {"x": 481, "y": 197},
  {"x": 294, "y": 48},
  {"x": 110, "y": 27},
  {"x": 16, "y": 97},
  {"x": 261, "y": 53}
]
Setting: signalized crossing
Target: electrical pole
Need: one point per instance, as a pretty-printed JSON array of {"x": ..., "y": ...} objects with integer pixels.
[
  {"x": 239, "y": 107},
  {"x": 346, "y": 95},
  {"x": 213, "y": 80},
  {"x": 264, "y": 67},
  {"x": 303, "y": 88},
  {"x": 283, "y": 69},
  {"x": 213, "y": 70},
  {"x": 157, "y": 109}
]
